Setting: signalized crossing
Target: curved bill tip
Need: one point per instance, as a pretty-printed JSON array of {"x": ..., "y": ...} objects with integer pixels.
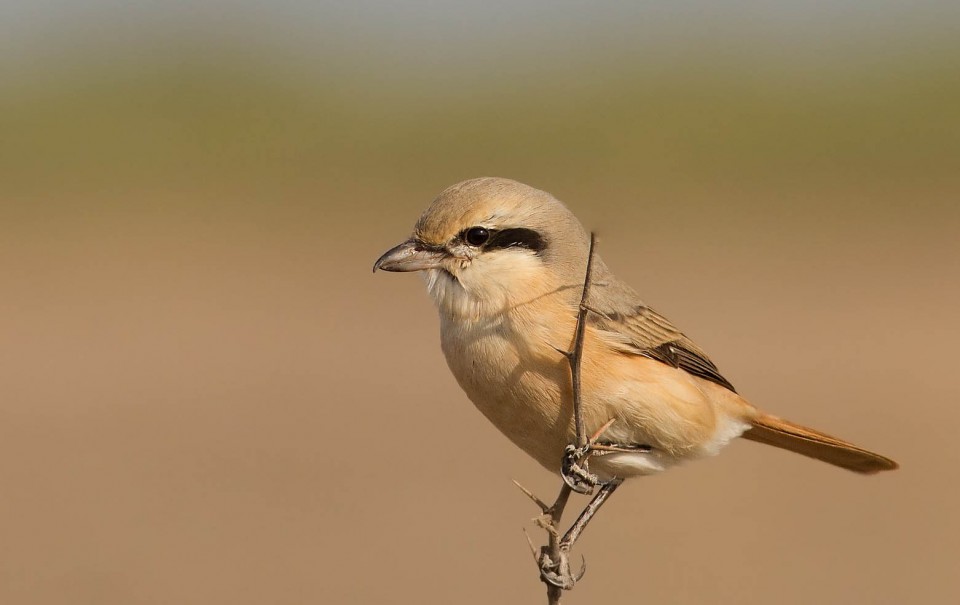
[{"x": 409, "y": 256}]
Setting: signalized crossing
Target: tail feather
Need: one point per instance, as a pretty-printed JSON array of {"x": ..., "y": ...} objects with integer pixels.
[{"x": 808, "y": 442}]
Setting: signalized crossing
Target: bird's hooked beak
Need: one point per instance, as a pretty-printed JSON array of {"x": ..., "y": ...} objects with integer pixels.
[{"x": 411, "y": 255}]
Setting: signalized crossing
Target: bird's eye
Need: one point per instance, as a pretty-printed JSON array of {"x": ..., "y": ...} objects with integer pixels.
[{"x": 476, "y": 236}]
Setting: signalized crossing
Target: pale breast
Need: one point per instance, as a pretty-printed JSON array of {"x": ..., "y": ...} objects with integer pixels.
[
  {"x": 522, "y": 387},
  {"x": 512, "y": 371}
]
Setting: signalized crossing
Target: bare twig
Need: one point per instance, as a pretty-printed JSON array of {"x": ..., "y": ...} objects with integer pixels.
[
  {"x": 575, "y": 466},
  {"x": 573, "y": 534},
  {"x": 553, "y": 559},
  {"x": 576, "y": 354},
  {"x": 554, "y": 567}
]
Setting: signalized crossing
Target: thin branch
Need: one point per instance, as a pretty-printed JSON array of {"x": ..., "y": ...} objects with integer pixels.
[
  {"x": 577, "y": 353},
  {"x": 557, "y": 557},
  {"x": 573, "y": 534},
  {"x": 553, "y": 560},
  {"x": 552, "y": 550}
]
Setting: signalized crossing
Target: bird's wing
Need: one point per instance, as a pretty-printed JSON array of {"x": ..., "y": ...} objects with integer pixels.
[{"x": 636, "y": 329}]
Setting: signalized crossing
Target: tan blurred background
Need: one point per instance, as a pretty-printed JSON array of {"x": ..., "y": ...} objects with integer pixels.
[{"x": 206, "y": 397}]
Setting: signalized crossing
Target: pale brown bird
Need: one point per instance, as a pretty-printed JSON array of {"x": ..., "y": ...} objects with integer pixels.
[{"x": 505, "y": 264}]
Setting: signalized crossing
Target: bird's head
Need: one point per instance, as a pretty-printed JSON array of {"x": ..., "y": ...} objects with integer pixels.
[{"x": 489, "y": 244}]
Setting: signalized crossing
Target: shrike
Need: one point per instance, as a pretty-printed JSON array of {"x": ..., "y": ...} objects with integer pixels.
[{"x": 505, "y": 264}]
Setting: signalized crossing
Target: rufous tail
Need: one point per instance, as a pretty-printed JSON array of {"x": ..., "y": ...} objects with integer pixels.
[{"x": 808, "y": 442}]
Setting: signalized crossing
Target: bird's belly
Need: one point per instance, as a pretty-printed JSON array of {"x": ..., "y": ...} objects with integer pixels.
[{"x": 526, "y": 393}]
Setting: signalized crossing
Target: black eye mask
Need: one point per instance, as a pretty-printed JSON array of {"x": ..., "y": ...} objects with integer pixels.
[{"x": 516, "y": 238}]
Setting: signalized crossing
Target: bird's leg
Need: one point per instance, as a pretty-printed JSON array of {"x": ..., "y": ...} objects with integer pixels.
[
  {"x": 573, "y": 467},
  {"x": 575, "y": 471},
  {"x": 558, "y": 574},
  {"x": 573, "y": 534}
]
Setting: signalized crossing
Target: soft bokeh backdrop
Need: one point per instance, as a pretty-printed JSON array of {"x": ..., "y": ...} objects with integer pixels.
[{"x": 206, "y": 397}]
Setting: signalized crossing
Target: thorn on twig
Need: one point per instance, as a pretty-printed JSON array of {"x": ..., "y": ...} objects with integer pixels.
[
  {"x": 543, "y": 505},
  {"x": 533, "y": 549},
  {"x": 601, "y": 431}
]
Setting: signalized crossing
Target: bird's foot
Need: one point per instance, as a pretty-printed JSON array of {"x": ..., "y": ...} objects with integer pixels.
[
  {"x": 559, "y": 573},
  {"x": 575, "y": 471}
]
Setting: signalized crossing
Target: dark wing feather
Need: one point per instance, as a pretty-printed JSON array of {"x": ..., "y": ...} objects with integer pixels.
[
  {"x": 645, "y": 332},
  {"x": 694, "y": 362}
]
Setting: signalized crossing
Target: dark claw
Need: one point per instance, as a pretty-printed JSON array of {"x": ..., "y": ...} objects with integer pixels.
[
  {"x": 564, "y": 580},
  {"x": 577, "y": 477},
  {"x": 577, "y": 482},
  {"x": 556, "y": 580},
  {"x": 551, "y": 578},
  {"x": 583, "y": 569}
]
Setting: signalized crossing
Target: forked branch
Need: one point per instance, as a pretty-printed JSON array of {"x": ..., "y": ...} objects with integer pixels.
[{"x": 553, "y": 559}]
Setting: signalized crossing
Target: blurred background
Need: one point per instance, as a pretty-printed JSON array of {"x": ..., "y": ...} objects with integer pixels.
[{"x": 206, "y": 397}]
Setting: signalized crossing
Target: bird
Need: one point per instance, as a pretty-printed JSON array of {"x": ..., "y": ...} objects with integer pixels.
[{"x": 504, "y": 263}]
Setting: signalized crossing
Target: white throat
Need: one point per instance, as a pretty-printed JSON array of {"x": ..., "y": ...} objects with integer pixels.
[{"x": 489, "y": 285}]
